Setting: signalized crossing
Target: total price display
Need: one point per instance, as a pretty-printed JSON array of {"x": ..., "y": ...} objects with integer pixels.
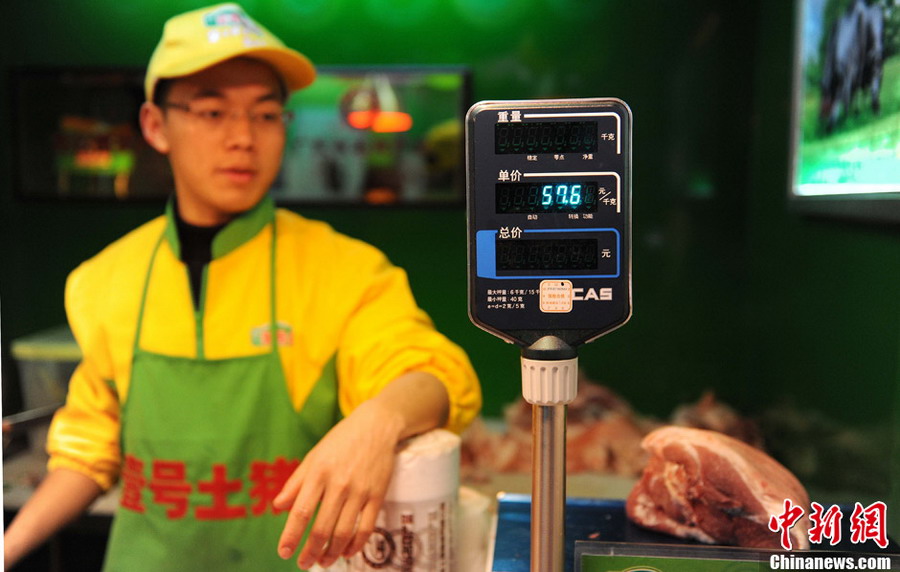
[
  {"x": 546, "y": 197},
  {"x": 547, "y": 254}
]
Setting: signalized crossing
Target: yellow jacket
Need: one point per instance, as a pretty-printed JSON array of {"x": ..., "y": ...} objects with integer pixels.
[{"x": 337, "y": 298}]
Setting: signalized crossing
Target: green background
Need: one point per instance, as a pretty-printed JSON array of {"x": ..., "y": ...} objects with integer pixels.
[{"x": 732, "y": 290}]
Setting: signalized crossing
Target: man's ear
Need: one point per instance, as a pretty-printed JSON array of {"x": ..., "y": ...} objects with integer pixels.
[{"x": 154, "y": 128}]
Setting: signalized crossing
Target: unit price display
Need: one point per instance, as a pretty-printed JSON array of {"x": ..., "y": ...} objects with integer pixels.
[
  {"x": 545, "y": 137},
  {"x": 546, "y": 197}
]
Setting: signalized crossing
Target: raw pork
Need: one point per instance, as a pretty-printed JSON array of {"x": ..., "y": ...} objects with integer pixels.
[
  {"x": 603, "y": 435},
  {"x": 710, "y": 413},
  {"x": 712, "y": 488}
]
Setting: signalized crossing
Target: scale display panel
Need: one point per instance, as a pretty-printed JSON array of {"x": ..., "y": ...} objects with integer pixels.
[{"x": 549, "y": 214}]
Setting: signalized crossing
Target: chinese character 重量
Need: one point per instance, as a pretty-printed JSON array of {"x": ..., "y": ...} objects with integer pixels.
[
  {"x": 502, "y": 116},
  {"x": 268, "y": 480},
  {"x": 170, "y": 487},
  {"x": 825, "y": 524},
  {"x": 869, "y": 523},
  {"x": 133, "y": 482},
  {"x": 783, "y": 522},
  {"x": 219, "y": 487},
  {"x": 516, "y": 116}
]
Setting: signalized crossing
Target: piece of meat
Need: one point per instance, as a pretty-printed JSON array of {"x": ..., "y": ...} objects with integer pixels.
[
  {"x": 610, "y": 445},
  {"x": 603, "y": 435},
  {"x": 712, "y": 488},
  {"x": 710, "y": 413}
]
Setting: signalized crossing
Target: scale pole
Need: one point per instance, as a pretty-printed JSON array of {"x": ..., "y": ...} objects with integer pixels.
[
  {"x": 548, "y": 487},
  {"x": 549, "y": 383}
]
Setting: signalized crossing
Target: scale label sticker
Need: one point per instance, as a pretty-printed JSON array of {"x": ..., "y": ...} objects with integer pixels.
[{"x": 556, "y": 296}]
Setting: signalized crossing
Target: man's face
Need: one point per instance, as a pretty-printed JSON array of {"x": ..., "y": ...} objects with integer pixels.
[{"x": 222, "y": 132}]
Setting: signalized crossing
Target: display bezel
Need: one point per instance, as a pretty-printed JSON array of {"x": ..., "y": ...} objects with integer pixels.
[{"x": 512, "y": 307}]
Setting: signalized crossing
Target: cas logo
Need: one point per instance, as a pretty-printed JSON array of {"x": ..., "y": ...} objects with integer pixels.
[{"x": 582, "y": 294}]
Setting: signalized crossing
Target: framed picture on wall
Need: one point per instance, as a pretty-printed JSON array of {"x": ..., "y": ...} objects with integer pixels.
[
  {"x": 845, "y": 137},
  {"x": 358, "y": 135},
  {"x": 76, "y": 136},
  {"x": 390, "y": 135}
]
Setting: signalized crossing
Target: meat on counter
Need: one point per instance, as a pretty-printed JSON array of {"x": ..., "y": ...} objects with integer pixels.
[
  {"x": 603, "y": 436},
  {"x": 710, "y": 487}
]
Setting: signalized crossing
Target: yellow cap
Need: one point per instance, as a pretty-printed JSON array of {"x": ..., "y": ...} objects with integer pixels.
[{"x": 196, "y": 40}]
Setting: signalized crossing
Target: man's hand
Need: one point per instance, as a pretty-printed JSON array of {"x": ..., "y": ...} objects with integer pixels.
[{"x": 345, "y": 476}]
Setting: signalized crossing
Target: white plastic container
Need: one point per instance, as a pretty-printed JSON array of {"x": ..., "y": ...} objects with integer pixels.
[
  {"x": 416, "y": 530},
  {"x": 46, "y": 361}
]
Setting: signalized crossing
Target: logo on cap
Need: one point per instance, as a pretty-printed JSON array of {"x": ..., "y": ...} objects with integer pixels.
[{"x": 231, "y": 21}]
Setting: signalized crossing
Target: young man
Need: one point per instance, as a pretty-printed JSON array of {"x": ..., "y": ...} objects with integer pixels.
[{"x": 247, "y": 373}]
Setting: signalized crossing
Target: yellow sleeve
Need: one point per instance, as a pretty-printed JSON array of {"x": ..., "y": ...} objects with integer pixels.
[
  {"x": 84, "y": 435},
  {"x": 387, "y": 335}
]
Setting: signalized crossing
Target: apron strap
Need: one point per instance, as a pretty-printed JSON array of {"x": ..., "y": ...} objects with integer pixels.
[
  {"x": 140, "y": 319},
  {"x": 273, "y": 323}
]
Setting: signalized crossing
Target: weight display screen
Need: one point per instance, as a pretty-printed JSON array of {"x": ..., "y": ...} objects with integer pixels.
[
  {"x": 547, "y": 254},
  {"x": 545, "y": 137},
  {"x": 546, "y": 197}
]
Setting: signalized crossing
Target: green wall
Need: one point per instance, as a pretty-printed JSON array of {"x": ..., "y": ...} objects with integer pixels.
[
  {"x": 731, "y": 291},
  {"x": 822, "y": 306}
]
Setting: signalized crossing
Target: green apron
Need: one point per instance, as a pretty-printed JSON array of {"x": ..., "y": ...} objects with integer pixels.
[{"x": 206, "y": 446}]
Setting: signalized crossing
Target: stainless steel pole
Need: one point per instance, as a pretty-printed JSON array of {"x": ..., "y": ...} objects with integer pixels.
[{"x": 548, "y": 487}]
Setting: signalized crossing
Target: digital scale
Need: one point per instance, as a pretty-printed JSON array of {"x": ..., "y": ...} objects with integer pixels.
[{"x": 549, "y": 262}]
